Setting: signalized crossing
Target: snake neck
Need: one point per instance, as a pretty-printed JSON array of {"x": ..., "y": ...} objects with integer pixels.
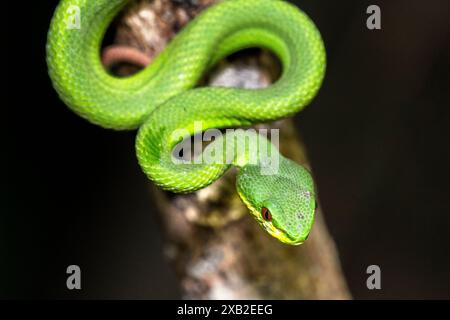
[{"x": 244, "y": 147}]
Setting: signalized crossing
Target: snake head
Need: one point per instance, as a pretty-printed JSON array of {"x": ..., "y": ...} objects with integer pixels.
[{"x": 283, "y": 204}]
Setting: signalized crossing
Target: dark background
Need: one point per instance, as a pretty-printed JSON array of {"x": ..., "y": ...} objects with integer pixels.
[{"x": 377, "y": 136}]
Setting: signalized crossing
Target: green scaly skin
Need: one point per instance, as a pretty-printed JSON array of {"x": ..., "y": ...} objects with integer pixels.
[{"x": 162, "y": 98}]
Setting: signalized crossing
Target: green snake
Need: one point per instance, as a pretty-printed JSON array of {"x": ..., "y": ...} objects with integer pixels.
[{"x": 163, "y": 98}]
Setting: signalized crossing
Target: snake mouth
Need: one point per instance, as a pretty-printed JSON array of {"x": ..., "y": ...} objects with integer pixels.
[{"x": 282, "y": 235}]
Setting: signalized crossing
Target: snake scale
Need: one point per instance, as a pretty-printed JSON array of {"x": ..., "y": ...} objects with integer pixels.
[{"x": 163, "y": 98}]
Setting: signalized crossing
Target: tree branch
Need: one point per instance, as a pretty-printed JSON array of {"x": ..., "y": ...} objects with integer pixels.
[{"x": 218, "y": 250}]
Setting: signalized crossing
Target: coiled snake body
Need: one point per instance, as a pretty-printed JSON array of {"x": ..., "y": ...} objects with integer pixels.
[{"x": 162, "y": 99}]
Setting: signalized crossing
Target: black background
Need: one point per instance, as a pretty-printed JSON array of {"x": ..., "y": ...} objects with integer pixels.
[{"x": 377, "y": 136}]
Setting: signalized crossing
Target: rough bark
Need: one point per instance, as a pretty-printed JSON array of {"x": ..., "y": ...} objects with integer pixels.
[{"x": 217, "y": 249}]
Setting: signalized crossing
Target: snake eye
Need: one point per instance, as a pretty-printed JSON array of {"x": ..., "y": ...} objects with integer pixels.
[{"x": 266, "y": 214}]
